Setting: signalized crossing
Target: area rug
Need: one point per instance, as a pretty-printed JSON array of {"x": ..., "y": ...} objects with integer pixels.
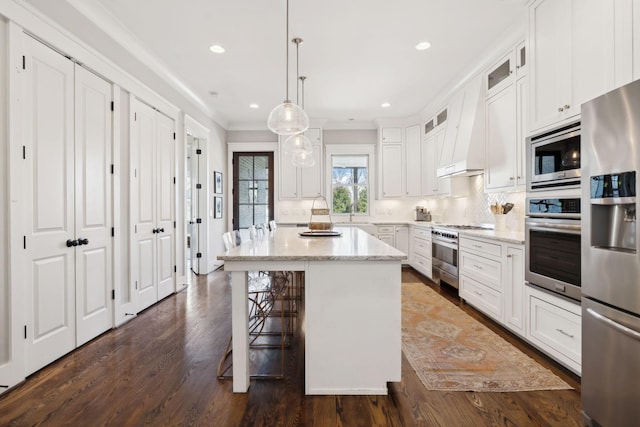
[{"x": 450, "y": 350}]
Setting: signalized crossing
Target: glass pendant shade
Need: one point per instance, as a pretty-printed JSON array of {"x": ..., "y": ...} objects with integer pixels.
[
  {"x": 297, "y": 143},
  {"x": 303, "y": 159},
  {"x": 288, "y": 119}
]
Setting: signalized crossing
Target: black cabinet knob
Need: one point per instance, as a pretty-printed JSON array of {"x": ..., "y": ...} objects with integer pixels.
[{"x": 71, "y": 243}]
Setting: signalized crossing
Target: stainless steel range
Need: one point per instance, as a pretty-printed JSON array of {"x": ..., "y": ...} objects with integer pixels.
[{"x": 444, "y": 245}]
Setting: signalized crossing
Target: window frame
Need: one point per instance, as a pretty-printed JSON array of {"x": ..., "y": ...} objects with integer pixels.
[{"x": 351, "y": 150}]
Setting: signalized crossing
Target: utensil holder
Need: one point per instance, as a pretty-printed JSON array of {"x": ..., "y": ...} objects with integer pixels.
[{"x": 500, "y": 222}]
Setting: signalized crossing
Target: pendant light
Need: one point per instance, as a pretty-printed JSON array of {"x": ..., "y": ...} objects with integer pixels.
[
  {"x": 287, "y": 118},
  {"x": 298, "y": 142},
  {"x": 303, "y": 158}
]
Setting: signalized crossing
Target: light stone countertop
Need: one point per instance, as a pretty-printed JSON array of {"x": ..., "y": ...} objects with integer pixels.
[
  {"x": 503, "y": 236},
  {"x": 285, "y": 244}
]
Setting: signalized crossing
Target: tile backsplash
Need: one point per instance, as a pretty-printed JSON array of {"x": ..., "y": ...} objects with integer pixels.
[{"x": 473, "y": 209}]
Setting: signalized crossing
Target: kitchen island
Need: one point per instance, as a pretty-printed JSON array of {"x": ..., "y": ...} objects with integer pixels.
[{"x": 352, "y": 297}]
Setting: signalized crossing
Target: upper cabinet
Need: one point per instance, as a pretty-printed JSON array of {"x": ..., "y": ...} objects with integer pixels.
[
  {"x": 506, "y": 124},
  {"x": 413, "y": 162},
  {"x": 580, "y": 49},
  {"x": 390, "y": 155},
  {"x": 302, "y": 183}
]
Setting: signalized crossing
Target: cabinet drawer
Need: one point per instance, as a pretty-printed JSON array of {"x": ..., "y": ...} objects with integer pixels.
[
  {"x": 484, "y": 298},
  {"x": 483, "y": 269},
  {"x": 422, "y": 232},
  {"x": 385, "y": 229},
  {"x": 555, "y": 329},
  {"x": 480, "y": 246},
  {"x": 422, "y": 247},
  {"x": 422, "y": 264}
]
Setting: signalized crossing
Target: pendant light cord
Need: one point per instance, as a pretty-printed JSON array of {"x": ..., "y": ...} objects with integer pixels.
[{"x": 287, "y": 44}]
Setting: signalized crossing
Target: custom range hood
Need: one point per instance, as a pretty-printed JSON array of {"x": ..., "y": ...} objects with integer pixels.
[{"x": 463, "y": 151}]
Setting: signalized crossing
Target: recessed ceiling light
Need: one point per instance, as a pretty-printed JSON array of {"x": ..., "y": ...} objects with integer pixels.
[
  {"x": 385, "y": 105},
  {"x": 254, "y": 106},
  {"x": 423, "y": 45},
  {"x": 216, "y": 48}
]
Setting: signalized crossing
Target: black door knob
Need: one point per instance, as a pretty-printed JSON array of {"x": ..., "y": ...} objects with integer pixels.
[
  {"x": 160, "y": 230},
  {"x": 71, "y": 243},
  {"x": 83, "y": 241},
  {"x": 154, "y": 231}
]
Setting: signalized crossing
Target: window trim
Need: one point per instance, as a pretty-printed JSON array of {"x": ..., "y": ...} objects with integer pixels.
[{"x": 351, "y": 150}]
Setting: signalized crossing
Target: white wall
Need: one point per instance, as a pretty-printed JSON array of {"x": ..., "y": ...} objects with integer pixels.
[
  {"x": 217, "y": 162},
  {"x": 4, "y": 167}
]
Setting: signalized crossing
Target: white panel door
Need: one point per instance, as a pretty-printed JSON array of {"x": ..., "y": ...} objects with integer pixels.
[
  {"x": 165, "y": 198},
  {"x": 94, "y": 254},
  {"x": 48, "y": 130},
  {"x": 143, "y": 205}
]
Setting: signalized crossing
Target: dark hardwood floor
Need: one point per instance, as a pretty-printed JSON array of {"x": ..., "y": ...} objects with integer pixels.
[{"x": 160, "y": 369}]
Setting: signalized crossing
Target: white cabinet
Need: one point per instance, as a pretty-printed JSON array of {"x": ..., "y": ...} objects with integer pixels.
[
  {"x": 391, "y": 167},
  {"x": 301, "y": 183},
  {"x": 506, "y": 124},
  {"x": 413, "y": 162},
  {"x": 579, "y": 50},
  {"x": 420, "y": 249},
  {"x": 391, "y": 134},
  {"x": 514, "y": 313},
  {"x": 396, "y": 236},
  {"x": 481, "y": 275},
  {"x": 555, "y": 326}
]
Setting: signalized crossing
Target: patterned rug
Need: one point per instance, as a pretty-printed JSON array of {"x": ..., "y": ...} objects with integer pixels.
[{"x": 450, "y": 350}]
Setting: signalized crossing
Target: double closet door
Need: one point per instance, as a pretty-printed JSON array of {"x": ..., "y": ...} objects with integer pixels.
[
  {"x": 68, "y": 204},
  {"x": 152, "y": 205}
]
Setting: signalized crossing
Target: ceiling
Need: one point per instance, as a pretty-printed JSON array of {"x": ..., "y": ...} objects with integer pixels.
[{"x": 356, "y": 54}]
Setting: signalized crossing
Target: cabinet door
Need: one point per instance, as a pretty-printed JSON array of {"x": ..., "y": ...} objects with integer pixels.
[
  {"x": 387, "y": 238},
  {"x": 391, "y": 170},
  {"x": 392, "y": 134},
  {"x": 413, "y": 162},
  {"x": 402, "y": 238},
  {"x": 499, "y": 75},
  {"x": 288, "y": 176},
  {"x": 593, "y": 50},
  {"x": 311, "y": 178},
  {"x": 442, "y": 185},
  {"x": 429, "y": 161},
  {"x": 550, "y": 41},
  {"x": 514, "y": 289},
  {"x": 522, "y": 112},
  {"x": 501, "y": 139}
]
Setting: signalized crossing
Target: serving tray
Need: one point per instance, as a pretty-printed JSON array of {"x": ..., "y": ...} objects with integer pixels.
[{"x": 320, "y": 233}]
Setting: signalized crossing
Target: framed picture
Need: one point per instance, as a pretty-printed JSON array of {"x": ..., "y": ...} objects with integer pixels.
[
  {"x": 217, "y": 182},
  {"x": 217, "y": 207}
]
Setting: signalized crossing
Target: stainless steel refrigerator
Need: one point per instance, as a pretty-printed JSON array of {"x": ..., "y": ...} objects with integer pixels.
[{"x": 610, "y": 261}]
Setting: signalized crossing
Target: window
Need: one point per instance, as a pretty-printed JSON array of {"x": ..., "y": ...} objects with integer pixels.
[
  {"x": 252, "y": 189},
  {"x": 350, "y": 184}
]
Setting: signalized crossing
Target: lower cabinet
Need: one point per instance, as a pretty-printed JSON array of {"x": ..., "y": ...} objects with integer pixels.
[
  {"x": 396, "y": 236},
  {"x": 492, "y": 281},
  {"x": 555, "y": 327},
  {"x": 420, "y": 249}
]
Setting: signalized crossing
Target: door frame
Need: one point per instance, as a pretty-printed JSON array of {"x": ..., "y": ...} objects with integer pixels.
[
  {"x": 197, "y": 130},
  {"x": 244, "y": 147}
]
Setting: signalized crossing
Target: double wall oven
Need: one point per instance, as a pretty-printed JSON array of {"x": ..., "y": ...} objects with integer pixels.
[
  {"x": 552, "y": 236},
  {"x": 553, "y": 220}
]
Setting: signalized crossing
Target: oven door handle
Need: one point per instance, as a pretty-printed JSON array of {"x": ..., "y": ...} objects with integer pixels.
[
  {"x": 615, "y": 325},
  {"x": 546, "y": 226},
  {"x": 446, "y": 244}
]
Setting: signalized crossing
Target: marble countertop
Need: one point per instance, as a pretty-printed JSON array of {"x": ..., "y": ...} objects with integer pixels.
[
  {"x": 503, "y": 236},
  {"x": 285, "y": 244}
]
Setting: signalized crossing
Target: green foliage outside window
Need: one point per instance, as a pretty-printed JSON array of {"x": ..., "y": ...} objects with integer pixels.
[{"x": 341, "y": 200}]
